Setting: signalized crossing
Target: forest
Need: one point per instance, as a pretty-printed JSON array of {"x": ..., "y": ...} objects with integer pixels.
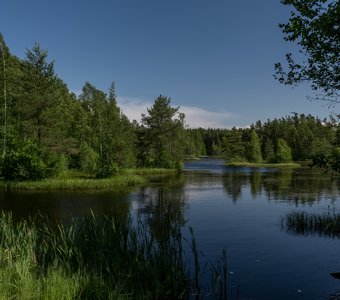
[{"x": 45, "y": 129}]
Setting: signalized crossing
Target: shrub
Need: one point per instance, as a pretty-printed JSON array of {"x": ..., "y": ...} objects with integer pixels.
[{"x": 25, "y": 163}]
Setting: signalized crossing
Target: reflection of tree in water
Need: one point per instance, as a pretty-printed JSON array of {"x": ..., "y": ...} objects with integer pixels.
[
  {"x": 202, "y": 179},
  {"x": 277, "y": 184},
  {"x": 233, "y": 182},
  {"x": 302, "y": 185},
  {"x": 163, "y": 209},
  {"x": 255, "y": 183},
  {"x": 62, "y": 207}
]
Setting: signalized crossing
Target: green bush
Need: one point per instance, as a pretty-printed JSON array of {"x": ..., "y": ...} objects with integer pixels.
[
  {"x": 88, "y": 159},
  {"x": 25, "y": 163},
  {"x": 106, "y": 169}
]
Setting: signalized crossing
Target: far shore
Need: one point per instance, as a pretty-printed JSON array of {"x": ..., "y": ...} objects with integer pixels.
[{"x": 291, "y": 165}]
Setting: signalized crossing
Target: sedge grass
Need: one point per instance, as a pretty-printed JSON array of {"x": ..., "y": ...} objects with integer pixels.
[
  {"x": 312, "y": 224},
  {"x": 94, "y": 258}
]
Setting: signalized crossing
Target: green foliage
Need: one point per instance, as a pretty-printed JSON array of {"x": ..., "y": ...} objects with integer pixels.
[
  {"x": 194, "y": 143},
  {"x": 105, "y": 170},
  {"x": 253, "y": 148},
  {"x": 234, "y": 146},
  {"x": 88, "y": 159},
  {"x": 328, "y": 162},
  {"x": 314, "y": 26},
  {"x": 38, "y": 92},
  {"x": 90, "y": 134},
  {"x": 162, "y": 139},
  {"x": 27, "y": 161},
  {"x": 283, "y": 152},
  {"x": 109, "y": 133},
  {"x": 269, "y": 152}
]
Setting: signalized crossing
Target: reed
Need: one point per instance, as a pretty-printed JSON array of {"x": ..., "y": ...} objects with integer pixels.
[
  {"x": 95, "y": 258},
  {"x": 327, "y": 224}
]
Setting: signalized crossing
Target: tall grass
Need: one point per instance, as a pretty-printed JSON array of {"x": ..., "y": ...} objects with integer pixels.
[
  {"x": 96, "y": 258},
  {"x": 312, "y": 224},
  {"x": 117, "y": 182}
]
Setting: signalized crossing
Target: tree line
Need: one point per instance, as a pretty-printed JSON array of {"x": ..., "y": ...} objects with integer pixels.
[
  {"x": 45, "y": 129},
  {"x": 298, "y": 137}
]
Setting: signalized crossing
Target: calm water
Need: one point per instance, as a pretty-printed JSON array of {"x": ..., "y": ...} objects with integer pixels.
[{"x": 236, "y": 208}]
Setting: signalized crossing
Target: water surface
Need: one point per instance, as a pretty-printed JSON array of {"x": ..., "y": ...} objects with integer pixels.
[{"x": 236, "y": 208}]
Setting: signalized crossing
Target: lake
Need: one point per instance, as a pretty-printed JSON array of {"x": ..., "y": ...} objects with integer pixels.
[{"x": 239, "y": 209}]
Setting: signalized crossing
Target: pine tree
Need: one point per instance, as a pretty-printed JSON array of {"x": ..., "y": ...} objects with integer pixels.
[{"x": 164, "y": 134}]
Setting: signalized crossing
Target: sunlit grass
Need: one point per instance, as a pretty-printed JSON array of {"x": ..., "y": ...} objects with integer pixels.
[
  {"x": 98, "y": 258},
  {"x": 76, "y": 180},
  {"x": 117, "y": 182}
]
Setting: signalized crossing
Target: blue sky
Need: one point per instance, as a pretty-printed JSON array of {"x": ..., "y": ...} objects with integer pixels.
[{"x": 214, "y": 58}]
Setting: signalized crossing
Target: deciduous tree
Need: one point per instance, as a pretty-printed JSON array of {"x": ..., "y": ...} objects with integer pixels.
[{"x": 314, "y": 25}]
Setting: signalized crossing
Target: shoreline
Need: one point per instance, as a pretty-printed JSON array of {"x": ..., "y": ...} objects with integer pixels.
[
  {"x": 128, "y": 178},
  {"x": 265, "y": 165}
]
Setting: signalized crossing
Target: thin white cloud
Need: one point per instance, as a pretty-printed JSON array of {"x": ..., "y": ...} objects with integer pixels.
[
  {"x": 199, "y": 117},
  {"x": 194, "y": 116},
  {"x": 133, "y": 107}
]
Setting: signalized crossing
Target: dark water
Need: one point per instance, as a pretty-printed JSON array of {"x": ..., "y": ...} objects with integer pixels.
[{"x": 236, "y": 208}]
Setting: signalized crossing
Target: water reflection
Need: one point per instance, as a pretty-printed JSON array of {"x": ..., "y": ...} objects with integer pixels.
[
  {"x": 217, "y": 200},
  {"x": 162, "y": 208},
  {"x": 302, "y": 186},
  {"x": 63, "y": 206}
]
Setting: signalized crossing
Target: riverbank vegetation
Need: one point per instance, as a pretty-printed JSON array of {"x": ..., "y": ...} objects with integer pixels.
[
  {"x": 313, "y": 224},
  {"x": 113, "y": 183},
  {"x": 101, "y": 258},
  {"x": 46, "y": 130}
]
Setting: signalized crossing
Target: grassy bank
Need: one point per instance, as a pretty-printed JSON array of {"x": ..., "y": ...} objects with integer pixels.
[
  {"x": 149, "y": 171},
  {"x": 117, "y": 182},
  {"x": 99, "y": 258},
  {"x": 264, "y": 165},
  {"x": 78, "y": 181}
]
